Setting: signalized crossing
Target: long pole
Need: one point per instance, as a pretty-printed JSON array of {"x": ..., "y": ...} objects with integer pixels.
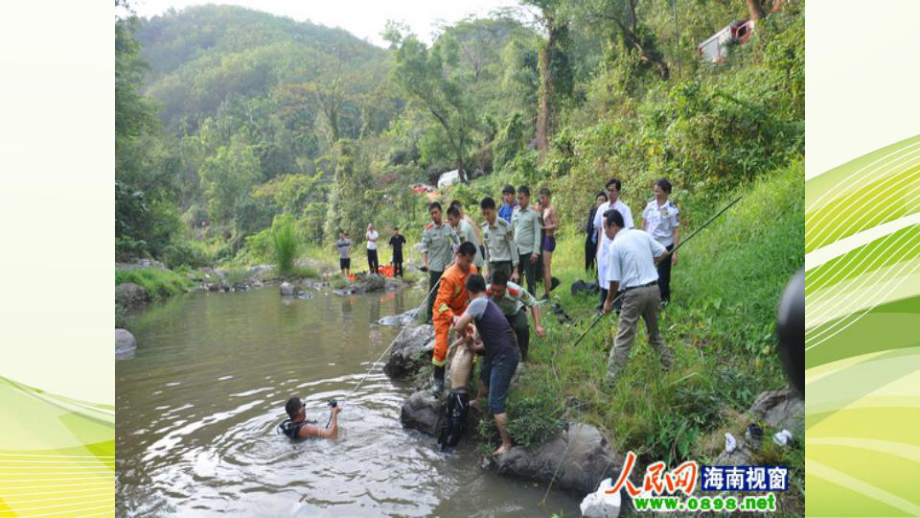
[{"x": 663, "y": 257}]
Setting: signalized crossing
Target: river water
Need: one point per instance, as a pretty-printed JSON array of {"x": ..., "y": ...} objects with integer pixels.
[{"x": 199, "y": 404}]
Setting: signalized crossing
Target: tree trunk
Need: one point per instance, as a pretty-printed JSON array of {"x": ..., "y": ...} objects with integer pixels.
[
  {"x": 544, "y": 108},
  {"x": 756, "y": 10}
]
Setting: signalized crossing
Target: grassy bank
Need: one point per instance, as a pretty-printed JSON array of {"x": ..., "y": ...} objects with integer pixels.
[
  {"x": 719, "y": 327},
  {"x": 158, "y": 282}
]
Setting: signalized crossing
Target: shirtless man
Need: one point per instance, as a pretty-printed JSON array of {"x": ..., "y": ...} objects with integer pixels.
[{"x": 550, "y": 224}]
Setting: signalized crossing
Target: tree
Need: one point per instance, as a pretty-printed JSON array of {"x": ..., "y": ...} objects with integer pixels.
[
  {"x": 425, "y": 75},
  {"x": 756, "y": 10},
  {"x": 555, "y": 72},
  {"x": 145, "y": 214},
  {"x": 227, "y": 176},
  {"x": 626, "y": 25}
]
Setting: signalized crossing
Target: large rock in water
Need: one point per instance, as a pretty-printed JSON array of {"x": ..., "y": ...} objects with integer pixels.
[
  {"x": 420, "y": 412},
  {"x": 399, "y": 320},
  {"x": 589, "y": 459},
  {"x": 411, "y": 350},
  {"x": 782, "y": 408},
  {"x": 287, "y": 289},
  {"x": 130, "y": 295},
  {"x": 125, "y": 344}
]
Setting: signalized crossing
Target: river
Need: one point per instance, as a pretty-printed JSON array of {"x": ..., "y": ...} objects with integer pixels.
[{"x": 199, "y": 404}]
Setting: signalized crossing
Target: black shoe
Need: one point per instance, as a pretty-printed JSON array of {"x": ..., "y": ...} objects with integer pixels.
[
  {"x": 438, "y": 380},
  {"x": 554, "y": 283}
]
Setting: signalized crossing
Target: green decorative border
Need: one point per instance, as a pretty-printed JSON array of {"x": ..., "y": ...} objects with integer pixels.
[
  {"x": 862, "y": 336},
  {"x": 57, "y": 455}
]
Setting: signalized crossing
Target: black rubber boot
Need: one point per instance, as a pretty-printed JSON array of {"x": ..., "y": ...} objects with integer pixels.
[
  {"x": 438, "y": 380},
  {"x": 455, "y": 414}
]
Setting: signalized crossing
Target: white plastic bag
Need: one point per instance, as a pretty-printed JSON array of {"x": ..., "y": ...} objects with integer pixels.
[{"x": 600, "y": 504}]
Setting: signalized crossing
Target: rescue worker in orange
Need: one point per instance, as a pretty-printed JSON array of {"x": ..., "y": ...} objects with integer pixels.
[{"x": 450, "y": 301}]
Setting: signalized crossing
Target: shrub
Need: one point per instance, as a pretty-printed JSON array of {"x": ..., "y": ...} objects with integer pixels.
[{"x": 284, "y": 243}]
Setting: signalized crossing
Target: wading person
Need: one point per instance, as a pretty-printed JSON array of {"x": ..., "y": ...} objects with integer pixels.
[
  {"x": 373, "y": 265},
  {"x": 501, "y": 251},
  {"x": 499, "y": 353},
  {"x": 613, "y": 203},
  {"x": 297, "y": 426},
  {"x": 450, "y": 301},
  {"x": 660, "y": 220},
  {"x": 550, "y": 224},
  {"x": 465, "y": 232},
  {"x": 514, "y": 301},
  {"x": 438, "y": 241},
  {"x": 509, "y": 203},
  {"x": 527, "y": 227},
  {"x": 631, "y": 269},
  {"x": 397, "y": 241},
  {"x": 591, "y": 233},
  {"x": 344, "y": 247}
]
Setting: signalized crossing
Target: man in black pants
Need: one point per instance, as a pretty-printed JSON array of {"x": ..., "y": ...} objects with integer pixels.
[{"x": 397, "y": 241}]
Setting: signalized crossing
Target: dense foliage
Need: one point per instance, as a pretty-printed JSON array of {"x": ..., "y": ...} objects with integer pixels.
[{"x": 258, "y": 137}]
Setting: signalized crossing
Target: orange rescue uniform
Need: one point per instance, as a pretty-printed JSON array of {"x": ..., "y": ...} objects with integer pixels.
[{"x": 451, "y": 300}]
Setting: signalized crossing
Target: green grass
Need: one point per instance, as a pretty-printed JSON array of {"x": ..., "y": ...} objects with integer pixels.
[
  {"x": 284, "y": 244},
  {"x": 160, "y": 284},
  {"x": 719, "y": 328}
]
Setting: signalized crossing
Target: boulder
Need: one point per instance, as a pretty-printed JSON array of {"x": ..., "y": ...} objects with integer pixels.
[
  {"x": 782, "y": 409},
  {"x": 288, "y": 290},
  {"x": 372, "y": 283},
  {"x": 420, "y": 412},
  {"x": 589, "y": 459},
  {"x": 130, "y": 295},
  {"x": 125, "y": 344},
  {"x": 399, "y": 320},
  {"x": 412, "y": 349}
]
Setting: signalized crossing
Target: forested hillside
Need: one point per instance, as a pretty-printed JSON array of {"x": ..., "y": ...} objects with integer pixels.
[
  {"x": 245, "y": 116},
  {"x": 235, "y": 129}
]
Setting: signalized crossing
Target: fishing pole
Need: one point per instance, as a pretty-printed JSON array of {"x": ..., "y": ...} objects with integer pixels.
[
  {"x": 602, "y": 315},
  {"x": 667, "y": 254}
]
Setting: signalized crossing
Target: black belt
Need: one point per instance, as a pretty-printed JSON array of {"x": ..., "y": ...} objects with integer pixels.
[{"x": 653, "y": 283}]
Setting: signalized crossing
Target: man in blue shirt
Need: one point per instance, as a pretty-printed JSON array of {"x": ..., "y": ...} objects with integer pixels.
[{"x": 508, "y": 203}]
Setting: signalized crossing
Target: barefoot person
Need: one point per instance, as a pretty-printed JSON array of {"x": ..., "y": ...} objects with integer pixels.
[
  {"x": 499, "y": 351},
  {"x": 550, "y": 224},
  {"x": 297, "y": 426}
]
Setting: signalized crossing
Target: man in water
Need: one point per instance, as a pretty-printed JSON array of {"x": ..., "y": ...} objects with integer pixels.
[
  {"x": 514, "y": 301},
  {"x": 438, "y": 240},
  {"x": 344, "y": 246},
  {"x": 499, "y": 351},
  {"x": 501, "y": 252},
  {"x": 550, "y": 224},
  {"x": 397, "y": 241},
  {"x": 297, "y": 427},
  {"x": 631, "y": 270},
  {"x": 450, "y": 301},
  {"x": 465, "y": 232}
]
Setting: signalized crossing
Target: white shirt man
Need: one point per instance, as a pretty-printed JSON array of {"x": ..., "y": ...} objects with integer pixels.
[
  {"x": 604, "y": 245},
  {"x": 631, "y": 259}
]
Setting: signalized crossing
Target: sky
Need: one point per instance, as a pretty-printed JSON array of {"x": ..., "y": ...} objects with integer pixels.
[{"x": 363, "y": 18}]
